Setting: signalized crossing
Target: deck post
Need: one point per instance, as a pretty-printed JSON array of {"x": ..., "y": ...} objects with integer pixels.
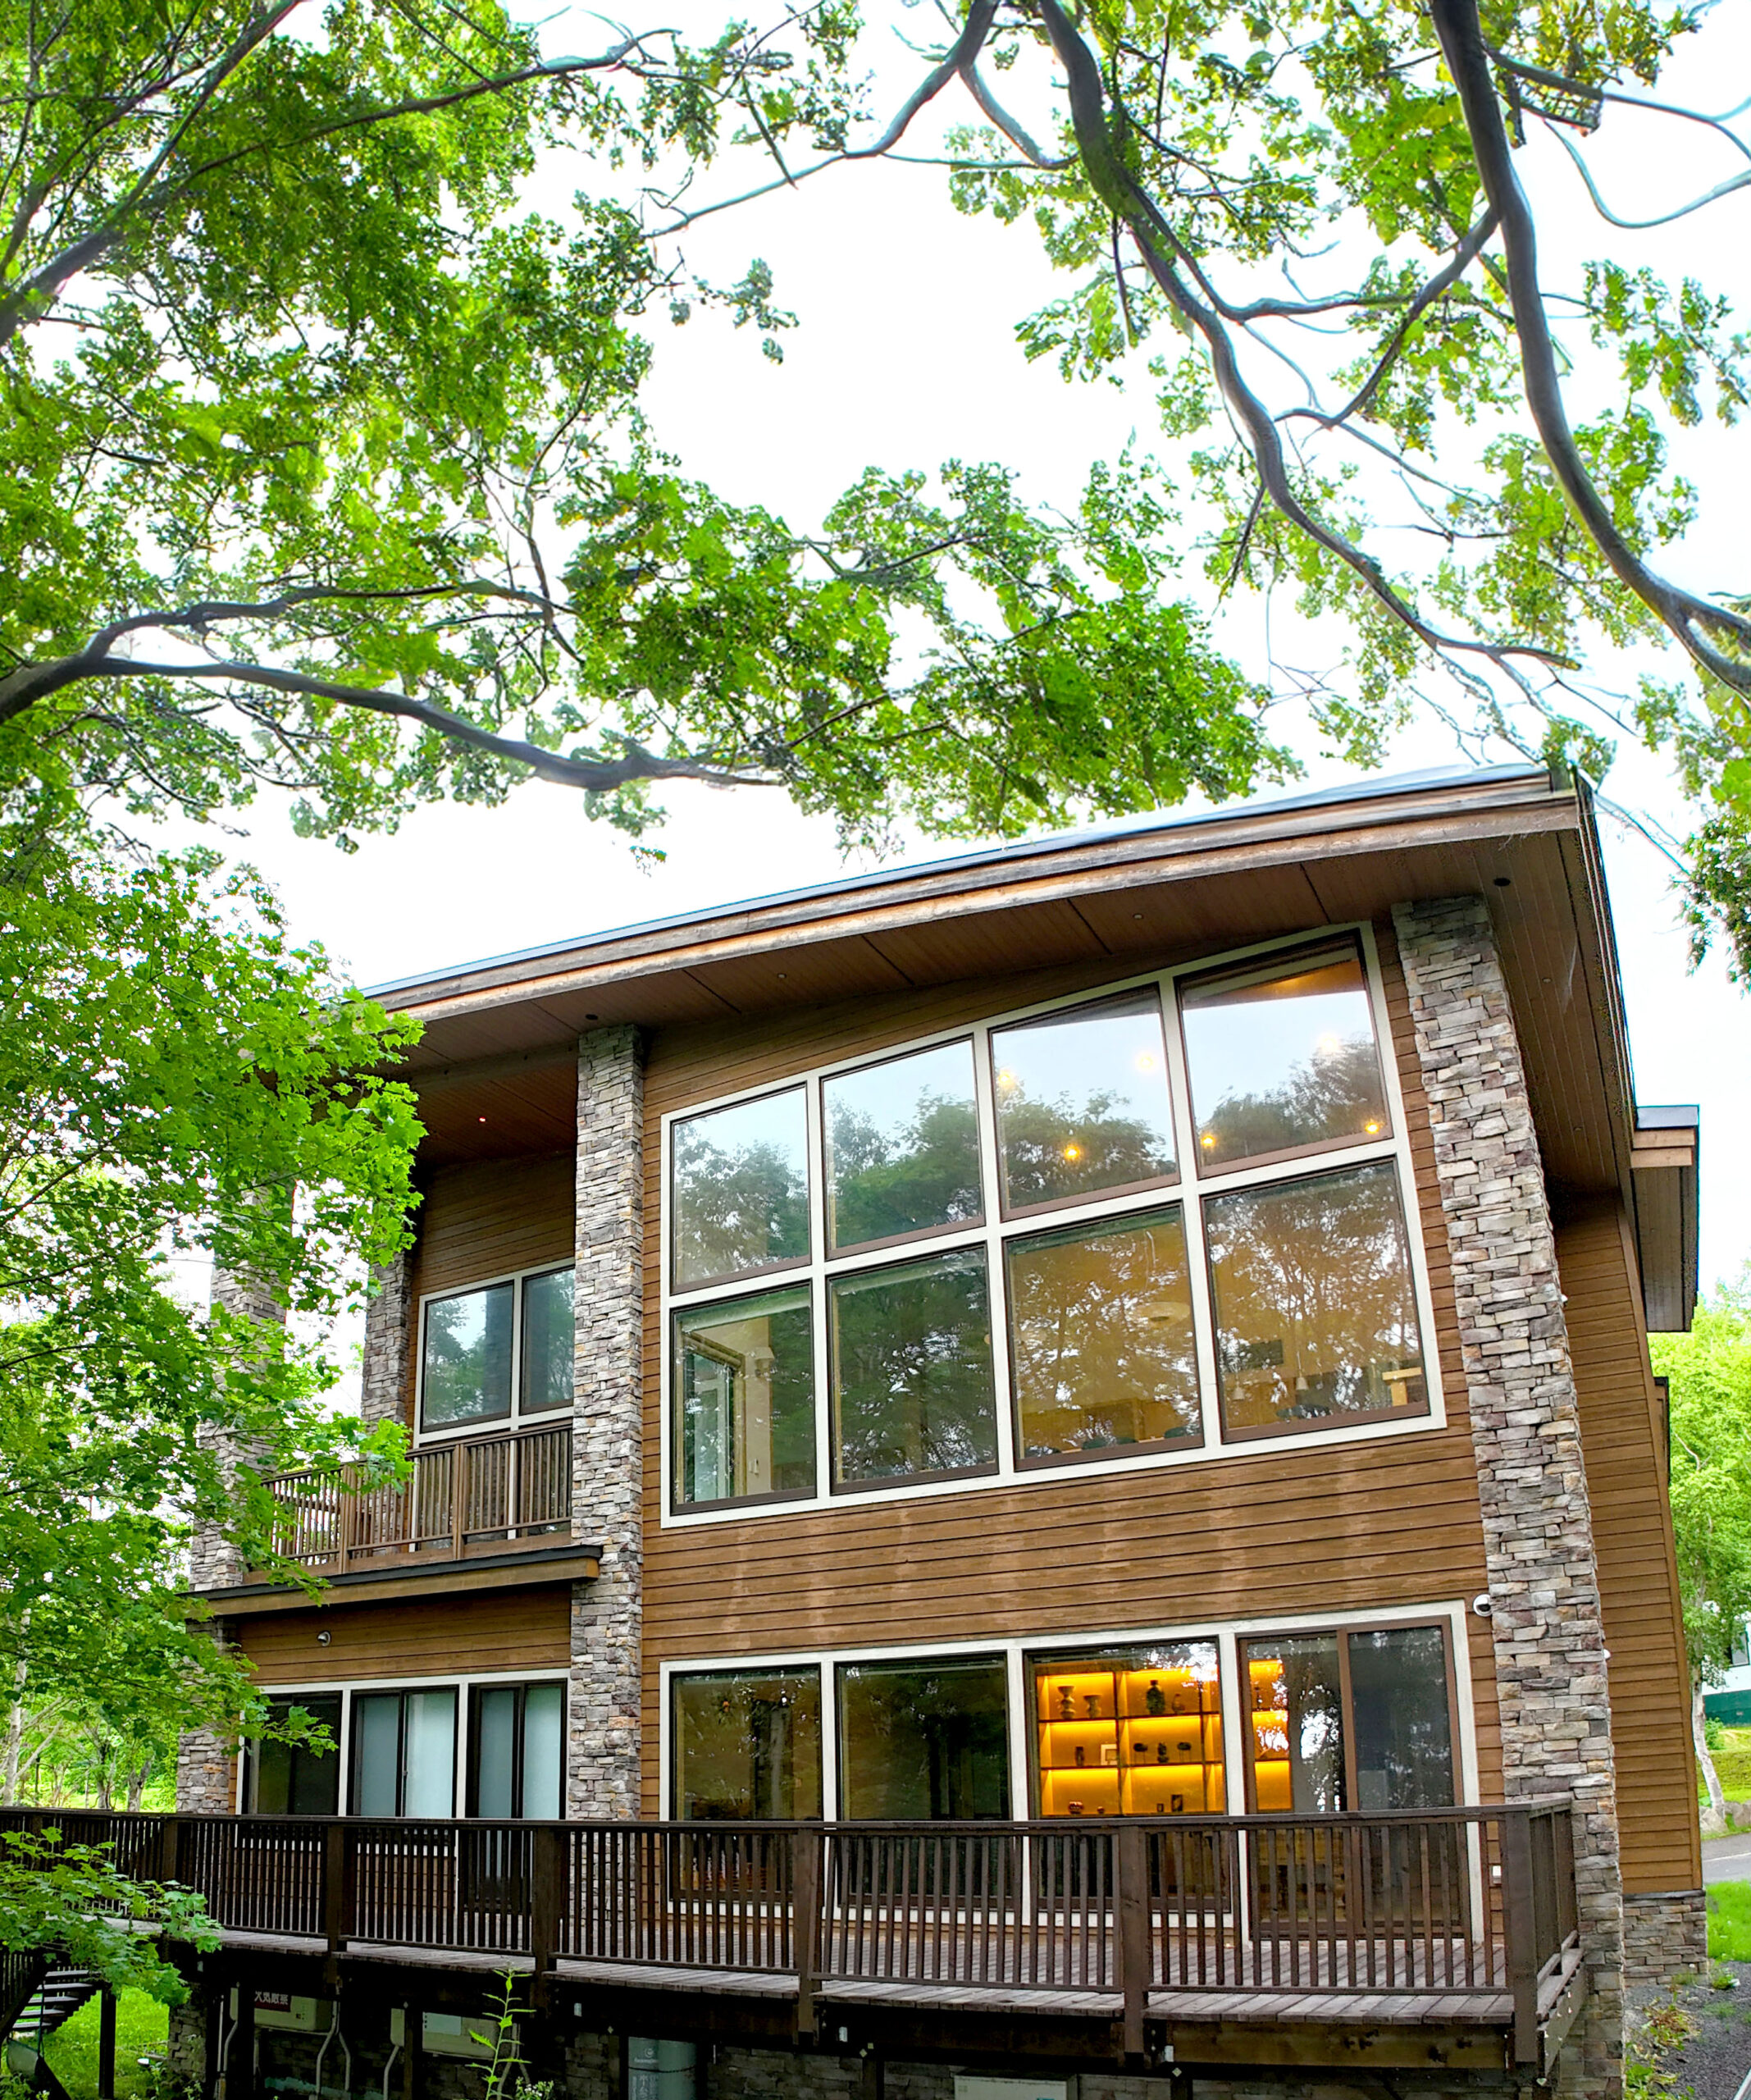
[
  {"x": 169, "y": 1832},
  {"x": 547, "y": 1900},
  {"x": 458, "y": 1490},
  {"x": 1520, "y": 1930},
  {"x": 334, "y": 1877},
  {"x": 1131, "y": 1904},
  {"x": 806, "y": 1922}
]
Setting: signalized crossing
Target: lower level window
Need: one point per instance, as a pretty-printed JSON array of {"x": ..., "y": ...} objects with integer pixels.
[
  {"x": 517, "y": 1761},
  {"x": 746, "y": 1746},
  {"x": 924, "y": 1740},
  {"x": 1359, "y": 1721},
  {"x": 404, "y": 1753},
  {"x": 294, "y": 1778},
  {"x": 1131, "y": 1732}
]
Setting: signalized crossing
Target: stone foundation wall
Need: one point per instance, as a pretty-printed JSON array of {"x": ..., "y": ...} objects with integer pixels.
[
  {"x": 1547, "y": 1625},
  {"x": 1664, "y": 1936},
  {"x": 607, "y": 1429}
]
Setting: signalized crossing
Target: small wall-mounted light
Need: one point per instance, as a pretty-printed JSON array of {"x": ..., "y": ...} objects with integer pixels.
[
  {"x": 324, "y": 1638},
  {"x": 1481, "y": 1604}
]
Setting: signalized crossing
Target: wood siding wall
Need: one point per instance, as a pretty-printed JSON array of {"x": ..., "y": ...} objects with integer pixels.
[
  {"x": 495, "y": 1629},
  {"x": 1621, "y": 1433},
  {"x": 1284, "y": 1529},
  {"x": 486, "y": 1220}
]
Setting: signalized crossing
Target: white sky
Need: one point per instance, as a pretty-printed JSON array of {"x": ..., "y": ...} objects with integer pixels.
[{"x": 907, "y": 356}]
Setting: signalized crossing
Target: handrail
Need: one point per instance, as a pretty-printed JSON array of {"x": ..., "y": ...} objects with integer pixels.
[
  {"x": 1474, "y": 1904},
  {"x": 465, "y": 1496}
]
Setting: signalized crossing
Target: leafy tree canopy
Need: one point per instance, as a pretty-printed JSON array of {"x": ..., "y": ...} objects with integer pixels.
[
  {"x": 323, "y": 463},
  {"x": 1710, "y": 1371}
]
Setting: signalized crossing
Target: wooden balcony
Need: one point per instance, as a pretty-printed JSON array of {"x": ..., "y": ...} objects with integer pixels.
[
  {"x": 1451, "y": 1931},
  {"x": 468, "y": 1497}
]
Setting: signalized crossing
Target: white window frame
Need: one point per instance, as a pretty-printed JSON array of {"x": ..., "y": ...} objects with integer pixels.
[
  {"x": 463, "y": 1684},
  {"x": 490, "y": 1425},
  {"x": 1019, "y": 1651},
  {"x": 1188, "y": 1192}
]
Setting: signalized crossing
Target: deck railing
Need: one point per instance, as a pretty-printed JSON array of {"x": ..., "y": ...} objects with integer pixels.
[
  {"x": 472, "y": 1494},
  {"x": 1475, "y": 1905}
]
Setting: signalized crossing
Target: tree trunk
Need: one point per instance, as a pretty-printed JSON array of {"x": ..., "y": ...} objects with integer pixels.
[{"x": 1705, "y": 1763}]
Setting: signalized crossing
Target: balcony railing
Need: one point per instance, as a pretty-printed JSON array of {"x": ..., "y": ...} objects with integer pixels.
[
  {"x": 1475, "y": 1907},
  {"x": 474, "y": 1495}
]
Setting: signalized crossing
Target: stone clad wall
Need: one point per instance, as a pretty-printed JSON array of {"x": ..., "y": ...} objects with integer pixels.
[
  {"x": 607, "y": 1428},
  {"x": 389, "y": 1319},
  {"x": 1547, "y": 1624},
  {"x": 1664, "y": 1936}
]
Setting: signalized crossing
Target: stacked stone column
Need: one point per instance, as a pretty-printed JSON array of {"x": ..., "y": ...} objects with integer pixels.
[
  {"x": 1546, "y": 1622},
  {"x": 606, "y": 1427},
  {"x": 389, "y": 1327}
]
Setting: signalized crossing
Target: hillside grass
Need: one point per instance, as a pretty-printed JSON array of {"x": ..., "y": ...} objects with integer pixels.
[{"x": 141, "y": 2028}]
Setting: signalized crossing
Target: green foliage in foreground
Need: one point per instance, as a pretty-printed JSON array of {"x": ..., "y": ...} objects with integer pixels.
[
  {"x": 1729, "y": 1921},
  {"x": 175, "y": 1076},
  {"x": 142, "y": 2029},
  {"x": 70, "y": 1898}
]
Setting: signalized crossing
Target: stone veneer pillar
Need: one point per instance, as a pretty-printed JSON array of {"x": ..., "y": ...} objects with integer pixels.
[
  {"x": 607, "y": 1432},
  {"x": 1546, "y": 1622},
  {"x": 388, "y": 1315},
  {"x": 205, "y": 1766}
]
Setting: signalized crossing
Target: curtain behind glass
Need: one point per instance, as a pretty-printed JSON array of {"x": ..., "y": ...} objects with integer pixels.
[
  {"x": 376, "y": 1753},
  {"x": 429, "y": 1787},
  {"x": 495, "y": 1752},
  {"x": 543, "y": 1742}
]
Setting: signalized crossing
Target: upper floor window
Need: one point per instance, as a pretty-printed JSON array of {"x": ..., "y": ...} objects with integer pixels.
[
  {"x": 1151, "y": 1220},
  {"x": 500, "y": 1351}
]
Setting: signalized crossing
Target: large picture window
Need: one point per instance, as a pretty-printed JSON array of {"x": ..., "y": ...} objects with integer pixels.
[
  {"x": 497, "y": 1353},
  {"x": 300, "y": 1777},
  {"x": 924, "y": 1740},
  {"x": 1357, "y": 1720},
  {"x": 1131, "y": 1732},
  {"x": 745, "y": 1746},
  {"x": 1141, "y": 1224},
  {"x": 403, "y": 1752}
]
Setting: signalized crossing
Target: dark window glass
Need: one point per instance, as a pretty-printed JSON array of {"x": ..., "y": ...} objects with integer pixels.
[
  {"x": 404, "y": 1753},
  {"x": 1131, "y": 1732},
  {"x": 1401, "y": 1731},
  {"x": 518, "y": 1734},
  {"x": 923, "y": 1740},
  {"x": 740, "y": 1189},
  {"x": 1101, "y": 1336},
  {"x": 1298, "y": 1725},
  {"x": 744, "y": 1401},
  {"x": 467, "y": 1357},
  {"x": 747, "y": 1745},
  {"x": 1082, "y": 1102},
  {"x": 294, "y": 1778},
  {"x": 902, "y": 1147},
  {"x": 911, "y": 1370},
  {"x": 547, "y": 1342},
  {"x": 1282, "y": 1057},
  {"x": 1315, "y": 1318}
]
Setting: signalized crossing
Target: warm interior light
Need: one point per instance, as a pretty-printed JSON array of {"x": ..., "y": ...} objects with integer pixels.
[
  {"x": 1007, "y": 1081},
  {"x": 1073, "y": 1154},
  {"x": 1329, "y": 1045},
  {"x": 1372, "y": 1129},
  {"x": 1145, "y": 1060},
  {"x": 1208, "y": 1139}
]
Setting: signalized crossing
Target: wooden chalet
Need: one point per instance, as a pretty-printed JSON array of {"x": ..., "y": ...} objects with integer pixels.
[{"x": 1030, "y": 1474}]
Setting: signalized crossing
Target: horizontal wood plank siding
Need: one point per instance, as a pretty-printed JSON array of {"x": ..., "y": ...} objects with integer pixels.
[
  {"x": 1284, "y": 1529},
  {"x": 496, "y": 1630},
  {"x": 1657, "y": 1805},
  {"x": 489, "y": 1219}
]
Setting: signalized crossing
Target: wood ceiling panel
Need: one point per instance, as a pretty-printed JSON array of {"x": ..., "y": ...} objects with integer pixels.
[
  {"x": 1188, "y": 919},
  {"x": 1028, "y": 936},
  {"x": 833, "y": 969}
]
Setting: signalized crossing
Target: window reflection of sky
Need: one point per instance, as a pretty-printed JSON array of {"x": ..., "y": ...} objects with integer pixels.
[
  {"x": 888, "y": 1096},
  {"x": 1251, "y": 1046},
  {"x": 1114, "y": 1050}
]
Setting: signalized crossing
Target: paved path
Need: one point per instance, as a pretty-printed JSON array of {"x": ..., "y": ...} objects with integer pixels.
[{"x": 1727, "y": 1859}]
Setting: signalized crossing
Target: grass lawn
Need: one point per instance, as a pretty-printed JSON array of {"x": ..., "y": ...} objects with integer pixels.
[
  {"x": 1729, "y": 1921},
  {"x": 141, "y": 2025}
]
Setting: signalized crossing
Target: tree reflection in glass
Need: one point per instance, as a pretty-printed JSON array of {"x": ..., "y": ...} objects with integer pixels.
[
  {"x": 1315, "y": 1317},
  {"x": 1403, "y": 1735},
  {"x": 902, "y": 1147},
  {"x": 745, "y": 1403},
  {"x": 1297, "y": 1699},
  {"x": 739, "y": 1177},
  {"x": 925, "y": 1740},
  {"x": 1101, "y": 1336},
  {"x": 467, "y": 1368},
  {"x": 1282, "y": 1058},
  {"x": 1082, "y": 1102},
  {"x": 747, "y": 1745},
  {"x": 910, "y": 1351}
]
